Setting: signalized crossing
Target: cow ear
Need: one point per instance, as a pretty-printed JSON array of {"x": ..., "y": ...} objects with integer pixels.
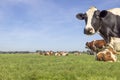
[
  {"x": 103, "y": 13},
  {"x": 81, "y": 16}
]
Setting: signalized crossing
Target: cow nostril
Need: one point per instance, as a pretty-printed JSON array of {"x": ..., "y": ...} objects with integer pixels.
[{"x": 90, "y": 30}]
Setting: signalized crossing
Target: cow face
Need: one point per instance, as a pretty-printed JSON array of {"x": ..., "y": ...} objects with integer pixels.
[
  {"x": 89, "y": 45},
  {"x": 92, "y": 20}
]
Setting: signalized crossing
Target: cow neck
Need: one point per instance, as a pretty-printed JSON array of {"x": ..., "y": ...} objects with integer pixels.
[{"x": 93, "y": 44}]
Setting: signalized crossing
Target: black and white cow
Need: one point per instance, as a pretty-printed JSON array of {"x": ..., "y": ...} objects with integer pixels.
[{"x": 105, "y": 22}]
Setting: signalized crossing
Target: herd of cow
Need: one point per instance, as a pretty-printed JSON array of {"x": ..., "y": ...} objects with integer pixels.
[
  {"x": 58, "y": 53},
  {"x": 107, "y": 24}
]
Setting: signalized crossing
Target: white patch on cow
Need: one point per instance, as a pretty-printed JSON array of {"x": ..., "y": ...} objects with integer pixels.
[
  {"x": 98, "y": 53},
  {"x": 115, "y": 11},
  {"x": 104, "y": 51},
  {"x": 90, "y": 14},
  {"x": 113, "y": 56},
  {"x": 115, "y": 43}
]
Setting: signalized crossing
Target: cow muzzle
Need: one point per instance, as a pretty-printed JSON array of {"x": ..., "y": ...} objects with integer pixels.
[{"x": 89, "y": 31}]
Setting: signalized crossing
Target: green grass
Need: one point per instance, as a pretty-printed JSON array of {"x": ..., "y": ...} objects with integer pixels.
[{"x": 36, "y": 67}]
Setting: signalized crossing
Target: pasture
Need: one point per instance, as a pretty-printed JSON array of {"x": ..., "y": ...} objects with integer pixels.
[{"x": 39, "y": 67}]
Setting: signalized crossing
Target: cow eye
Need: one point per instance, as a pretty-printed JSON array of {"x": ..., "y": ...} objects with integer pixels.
[{"x": 97, "y": 13}]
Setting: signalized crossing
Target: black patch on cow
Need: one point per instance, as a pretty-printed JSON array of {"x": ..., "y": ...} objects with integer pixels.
[
  {"x": 96, "y": 20},
  {"x": 107, "y": 23},
  {"x": 103, "y": 13},
  {"x": 111, "y": 22},
  {"x": 110, "y": 25}
]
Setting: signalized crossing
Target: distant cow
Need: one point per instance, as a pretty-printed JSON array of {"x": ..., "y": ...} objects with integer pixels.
[
  {"x": 61, "y": 53},
  {"x": 48, "y": 53},
  {"x": 96, "y": 45},
  {"x": 107, "y": 55},
  {"x": 58, "y": 54},
  {"x": 65, "y": 54},
  {"x": 105, "y": 22}
]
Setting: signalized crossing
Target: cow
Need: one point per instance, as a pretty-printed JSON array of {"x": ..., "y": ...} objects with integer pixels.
[
  {"x": 48, "y": 53},
  {"x": 105, "y": 22},
  {"x": 58, "y": 54},
  {"x": 107, "y": 55},
  {"x": 96, "y": 45},
  {"x": 61, "y": 53}
]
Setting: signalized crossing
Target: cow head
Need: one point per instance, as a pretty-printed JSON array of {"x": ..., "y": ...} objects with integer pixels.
[
  {"x": 92, "y": 20},
  {"x": 91, "y": 46}
]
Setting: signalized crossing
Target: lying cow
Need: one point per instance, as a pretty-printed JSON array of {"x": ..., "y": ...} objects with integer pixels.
[
  {"x": 107, "y": 55},
  {"x": 48, "y": 53},
  {"x": 96, "y": 45},
  {"x": 105, "y": 22},
  {"x": 58, "y": 54},
  {"x": 61, "y": 53}
]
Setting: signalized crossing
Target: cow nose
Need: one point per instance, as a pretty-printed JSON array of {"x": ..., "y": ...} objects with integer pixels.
[{"x": 88, "y": 31}]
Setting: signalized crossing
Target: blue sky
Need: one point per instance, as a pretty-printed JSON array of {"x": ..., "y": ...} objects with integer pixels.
[{"x": 46, "y": 24}]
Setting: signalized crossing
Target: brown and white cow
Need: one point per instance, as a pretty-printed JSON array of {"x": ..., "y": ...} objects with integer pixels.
[
  {"x": 58, "y": 54},
  {"x": 48, "y": 53},
  {"x": 96, "y": 45},
  {"x": 107, "y": 55}
]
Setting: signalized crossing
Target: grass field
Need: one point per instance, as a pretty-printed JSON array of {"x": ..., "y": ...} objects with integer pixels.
[{"x": 36, "y": 67}]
